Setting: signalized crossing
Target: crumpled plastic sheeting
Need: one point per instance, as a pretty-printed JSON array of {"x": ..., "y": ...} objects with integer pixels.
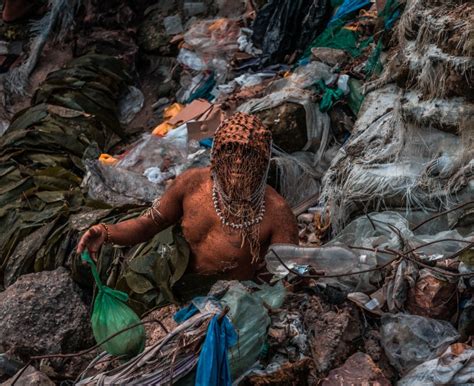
[
  {"x": 250, "y": 318},
  {"x": 376, "y": 231},
  {"x": 392, "y": 163},
  {"x": 297, "y": 177},
  {"x": 450, "y": 368},
  {"x": 3, "y": 126},
  {"x": 300, "y": 173},
  {"x": 119, "y": 187},
  {"x": 283, "y": 26},
  {"x": 130, "y": 104},
  {"x": 137, "y": 178},
  {"x": 409, "y": 340},
  {"x": 213, "y": 43},
  {"x": 317, "y": 123}
]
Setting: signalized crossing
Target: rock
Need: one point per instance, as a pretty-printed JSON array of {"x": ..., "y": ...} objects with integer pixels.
[
  {"x": 330, "y": 56},
  {"x": 334, "y": 334},
  {"x": 287, "y": 374},
  {"x": 359, "y": 369},
  {"x": 287, "y": 122},
  {"x": 151, "y": 33},
  {"x": 30, "y": 377},
  {"x": 432, "y": 297},
  {"x": 43, "y": 313}
]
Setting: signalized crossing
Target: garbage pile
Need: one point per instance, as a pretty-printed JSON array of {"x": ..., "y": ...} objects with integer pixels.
[{"x": 371, "y": 113}]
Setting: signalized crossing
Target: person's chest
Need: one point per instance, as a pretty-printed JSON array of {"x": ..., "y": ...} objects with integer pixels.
[{"x": 201, "y": 224}]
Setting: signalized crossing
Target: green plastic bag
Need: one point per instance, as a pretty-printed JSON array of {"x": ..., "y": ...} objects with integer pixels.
[{"x": 112, "y": 315}]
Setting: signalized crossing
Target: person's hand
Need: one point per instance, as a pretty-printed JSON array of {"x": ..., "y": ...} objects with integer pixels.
[{"x": 92, "y": 240}]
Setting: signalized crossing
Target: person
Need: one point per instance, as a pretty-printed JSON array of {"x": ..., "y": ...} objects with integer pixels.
[{"x": 228, "y": 214}]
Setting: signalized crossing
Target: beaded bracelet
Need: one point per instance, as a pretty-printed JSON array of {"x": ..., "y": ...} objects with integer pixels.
[{"x": 108, "y": 239}]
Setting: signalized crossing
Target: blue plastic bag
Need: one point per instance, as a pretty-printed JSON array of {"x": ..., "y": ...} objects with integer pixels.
[{"x": 213, "y": 366}]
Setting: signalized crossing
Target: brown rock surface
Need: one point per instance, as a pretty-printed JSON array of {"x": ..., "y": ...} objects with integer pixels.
[{"x": 359, "y": 369}]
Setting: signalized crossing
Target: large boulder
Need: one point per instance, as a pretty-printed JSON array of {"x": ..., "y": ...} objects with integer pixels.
[{"x": 44, "y": 313}]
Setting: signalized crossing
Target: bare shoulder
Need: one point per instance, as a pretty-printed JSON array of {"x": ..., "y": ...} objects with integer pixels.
[
  {"x": 275, "y": 202},
  {"x": 284, "y": 228},
  {"x": 190, "y": 180},
  {"x": 171, "y": 203}
]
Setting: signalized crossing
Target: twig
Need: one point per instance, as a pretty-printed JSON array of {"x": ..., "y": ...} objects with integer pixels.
[
  {"x": 223, "y": 313},
  {"x": 435, "y": 269},
  {"x": 471, "y": 243},
  {"x": 371, "y": 221},
  {"x": 441, "y": 214}
]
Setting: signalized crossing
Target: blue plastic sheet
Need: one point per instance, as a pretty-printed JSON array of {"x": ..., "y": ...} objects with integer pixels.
[
  {"x": 213, "y": 366},
  {"x": 348, "y": 7},
  {"x": 185, "y": 313}
]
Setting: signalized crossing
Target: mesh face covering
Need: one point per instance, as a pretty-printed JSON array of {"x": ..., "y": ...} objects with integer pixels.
[{"x": 240, "y": 160}]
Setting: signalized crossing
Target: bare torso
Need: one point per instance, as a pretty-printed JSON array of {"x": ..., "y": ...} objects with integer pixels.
[{"x": 216, "y": 249}]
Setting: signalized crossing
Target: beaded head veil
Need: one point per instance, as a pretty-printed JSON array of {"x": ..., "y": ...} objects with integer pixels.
[{"x": 240, "y": 160}]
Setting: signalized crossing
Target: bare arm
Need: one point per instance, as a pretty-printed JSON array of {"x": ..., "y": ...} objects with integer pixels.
[{"x": 164, "y": 213}]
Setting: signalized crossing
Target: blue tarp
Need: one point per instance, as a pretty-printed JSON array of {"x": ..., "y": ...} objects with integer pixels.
[
  {"x": 348, "y": 7},
  {"x": 213, "y": 366},
  {"x": 185, "y": 313}
]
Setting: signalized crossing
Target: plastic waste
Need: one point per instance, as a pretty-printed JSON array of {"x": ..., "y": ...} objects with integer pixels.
[
  {"x": 375, "y": 230},
  {"x": 343, "y": 83},
  {"x": 173, "y": 25},
  {"x": 156, "y": 176},
  {"x": 133, "y": 173},
  {"x": 348, "y": 7},
  {"x": 409, "y": 340},
  {"x": 213, "y": 42},
  {"x": 454, "y": 367},
  {"x": 331, "y": 260},
  {"x": 3, "y": 126},
  {"x": 130, "y": 105},
  {"x": 213, "y": 366},
  {"x": 469, "y": 269},
  {"x": 248, "y": 80},
  {"x": 153, "y": 151},
  {"x": 329, "y": 96},
  {"x": 190, "y": 59},
  {"x": 117, "y": 186},
  {"x": 305, "y": 76},
  {"x": 111, "y": 315},
  {"x": 317, "y": 123},
  {"x": 245, "y": 42},
  {"x": 250, "y": 319},
  {"x": 466, "y": 319},
  {"x": 282, "y": 27}
]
